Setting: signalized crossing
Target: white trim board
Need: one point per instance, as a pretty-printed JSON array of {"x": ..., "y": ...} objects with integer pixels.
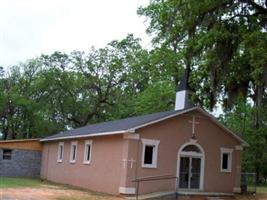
[
  {"x": 237, "y": 190},
  {"x": 84, "y": 136},
  {"x": 126, "y": 190},
  {"x": 131, "y": 136}
]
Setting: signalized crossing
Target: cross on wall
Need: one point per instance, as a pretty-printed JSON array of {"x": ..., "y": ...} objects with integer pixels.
[
  {"x": 131, "y": 161},
  {"x": 194, "y": 123}
]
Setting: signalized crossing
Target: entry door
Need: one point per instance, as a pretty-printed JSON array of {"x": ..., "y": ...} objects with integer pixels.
[{"x": 189, "y": 176}]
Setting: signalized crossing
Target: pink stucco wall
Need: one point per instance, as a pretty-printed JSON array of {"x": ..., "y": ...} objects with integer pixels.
[
  {"x": 102, "y": 174},
  {"x": 107, "y": 172},
  {"x": 173, "y": 133}
]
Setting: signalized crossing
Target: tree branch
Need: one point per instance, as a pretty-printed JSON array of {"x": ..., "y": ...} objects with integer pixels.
[{"x": 258, "y": 7}]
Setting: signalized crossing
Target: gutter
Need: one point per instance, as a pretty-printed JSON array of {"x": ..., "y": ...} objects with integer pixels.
[{"x": 83, "y": 136}]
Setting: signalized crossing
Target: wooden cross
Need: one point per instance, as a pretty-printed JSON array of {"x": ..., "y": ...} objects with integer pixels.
[
  {"x": 194, "y": 122},
  {"x": 125, "y": 161},
  {"x": 131, "y": 161}
]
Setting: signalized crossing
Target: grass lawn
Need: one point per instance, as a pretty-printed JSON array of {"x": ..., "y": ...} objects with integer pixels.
[
  {"x": 262, "y": 189},
  {"x": 6, "y": 182}
]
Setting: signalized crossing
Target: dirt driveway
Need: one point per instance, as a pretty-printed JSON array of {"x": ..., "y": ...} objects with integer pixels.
[
  {"x": 47, "y": 192},
  {"x": 51, "y": 192}
]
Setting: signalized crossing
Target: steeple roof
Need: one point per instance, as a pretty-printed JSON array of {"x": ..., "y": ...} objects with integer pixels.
[{"x": 184, "y": 82}]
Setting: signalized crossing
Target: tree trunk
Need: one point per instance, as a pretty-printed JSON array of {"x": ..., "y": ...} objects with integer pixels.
[{"x": 258, "y": 124}]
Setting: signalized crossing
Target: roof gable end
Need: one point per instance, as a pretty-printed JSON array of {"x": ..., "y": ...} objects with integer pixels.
[
  {"x": 130, "y": 125},
  {"x": 202, "y": 111}
]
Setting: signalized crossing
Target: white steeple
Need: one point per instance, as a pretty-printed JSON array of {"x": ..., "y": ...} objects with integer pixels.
[{"x": 183, "y": 93}]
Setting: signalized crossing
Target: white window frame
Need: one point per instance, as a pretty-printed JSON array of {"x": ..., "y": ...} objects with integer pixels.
[
  {"x": 86, "y": 144},
  {"x": 74, "y": 143},
  {"x": 155, "y": 144},
  {"x": 58, "y": 152},
  {"x": 230, "y": 158}
]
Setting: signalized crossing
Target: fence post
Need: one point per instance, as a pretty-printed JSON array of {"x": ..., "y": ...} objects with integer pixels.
[
  {"x": 248, "y": 182},
  {"x": 255, "y": 189}
]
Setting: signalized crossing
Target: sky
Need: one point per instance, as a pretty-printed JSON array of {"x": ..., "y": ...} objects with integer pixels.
[{"x": 29, "y": 28}]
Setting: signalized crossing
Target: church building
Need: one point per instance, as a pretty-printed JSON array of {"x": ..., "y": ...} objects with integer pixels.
[{"x": 187, "y": 143}]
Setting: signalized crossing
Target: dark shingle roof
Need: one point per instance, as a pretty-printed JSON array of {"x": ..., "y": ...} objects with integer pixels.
[
  {"x": 125, "y": 125},
  {"x": 113, "y": 126}
]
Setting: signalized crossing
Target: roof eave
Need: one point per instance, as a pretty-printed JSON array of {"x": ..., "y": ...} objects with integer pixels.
[
  {"x": 84, "y": 136},
  {"x": 19, "y": 140}
]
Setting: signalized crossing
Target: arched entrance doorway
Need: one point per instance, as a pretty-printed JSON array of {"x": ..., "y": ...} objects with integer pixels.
[{"x": 190, "y": 168}]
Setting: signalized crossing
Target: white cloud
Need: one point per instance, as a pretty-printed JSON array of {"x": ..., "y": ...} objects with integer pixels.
[{"x": 29, "y": 27}]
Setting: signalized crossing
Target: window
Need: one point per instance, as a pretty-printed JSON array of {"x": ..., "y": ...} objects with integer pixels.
[
  {"x": 73, "y": 152},
  {"x": 226, "y": 160},
  {"x": 191, "y": 148},
  {"x": 87, "y": 152},
  {"x": 7, "y": 154},
  {"x": 150, "y": 153},
  {"x": 148, "y": 160},
  {"x": 60, "y": 153}
]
